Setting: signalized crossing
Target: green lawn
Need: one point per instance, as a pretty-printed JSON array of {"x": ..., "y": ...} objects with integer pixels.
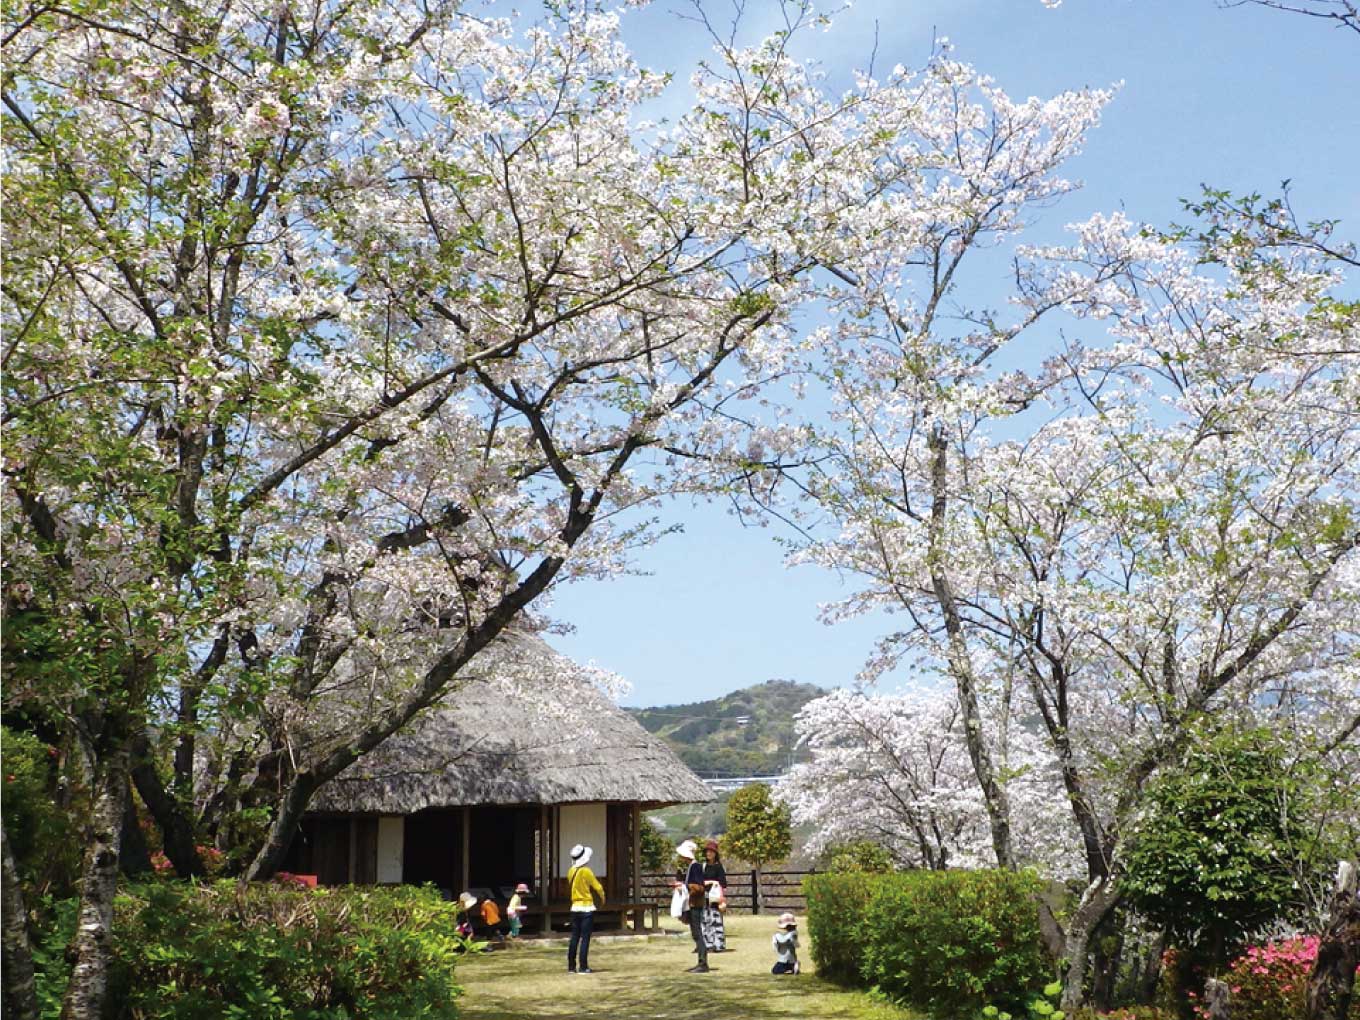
[{"x": 645, "y": 980}]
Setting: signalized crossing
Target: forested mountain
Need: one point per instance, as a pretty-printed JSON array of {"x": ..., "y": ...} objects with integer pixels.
[{"x": 746, "y": 733}]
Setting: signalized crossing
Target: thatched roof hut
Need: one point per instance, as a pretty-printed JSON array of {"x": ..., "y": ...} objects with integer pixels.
[
  {"x": 528, "y": 727},
  {"x": 525, "y": 757}
]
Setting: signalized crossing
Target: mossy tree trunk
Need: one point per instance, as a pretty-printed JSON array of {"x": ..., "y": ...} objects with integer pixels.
[
  {"x": 20, "y": 995},
  {"x": 91, "y": 946}
]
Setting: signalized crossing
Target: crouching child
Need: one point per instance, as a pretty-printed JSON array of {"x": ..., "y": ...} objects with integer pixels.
[{"x": 785, "y": 943}]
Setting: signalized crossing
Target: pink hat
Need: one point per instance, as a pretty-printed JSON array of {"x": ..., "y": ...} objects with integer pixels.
[
  {"x": 787, "y": 920},
  {"x": 522, "y": 887}
]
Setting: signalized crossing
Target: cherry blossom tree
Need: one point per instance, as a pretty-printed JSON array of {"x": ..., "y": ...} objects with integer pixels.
[
  {"x": 894, "y": 770},
  {"x": 337, "y": 337},
  {"x": 1159, "y": 525}
]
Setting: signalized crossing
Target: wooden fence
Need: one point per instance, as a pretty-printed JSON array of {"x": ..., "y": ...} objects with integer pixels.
[{"x": 776, "y": 892}]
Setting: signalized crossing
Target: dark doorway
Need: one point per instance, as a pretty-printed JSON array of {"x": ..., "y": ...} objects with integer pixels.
[
  {"x": 433, "y": 849},
  {"x": 501, "y": 847},
  {"x": 321, "y": 848}
]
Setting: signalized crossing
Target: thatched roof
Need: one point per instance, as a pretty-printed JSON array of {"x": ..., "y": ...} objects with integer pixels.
[{"x": 527, "y": 727}]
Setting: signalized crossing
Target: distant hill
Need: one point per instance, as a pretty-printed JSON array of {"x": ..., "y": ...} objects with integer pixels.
[{"x": 746, "y": 733}]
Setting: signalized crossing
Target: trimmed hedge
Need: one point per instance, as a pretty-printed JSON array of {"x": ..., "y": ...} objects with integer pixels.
[
  {"x": 183, "y": 951},
  {"x": 836, "y": 906},
  {"x": 949, "y": 942}
]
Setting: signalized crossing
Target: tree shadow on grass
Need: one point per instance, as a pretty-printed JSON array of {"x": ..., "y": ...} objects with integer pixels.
[{"x": 712, "y": 996}]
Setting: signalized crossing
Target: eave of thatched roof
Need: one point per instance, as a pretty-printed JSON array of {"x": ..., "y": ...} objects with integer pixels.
[{"x": 527, "y": 726}]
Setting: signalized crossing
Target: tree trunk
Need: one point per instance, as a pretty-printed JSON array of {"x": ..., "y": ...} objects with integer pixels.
[
  {"x": 1107, "y": 963},
  {"x": 1100, "y": 897},
  {"x": 1057, "y": 722},
  {"x": 1217, "y": 1000},
  {"x": 20, "y": 993},
  {"x": 177, "y": 831},
  {"x": 1149, "y": 974},
  {"x": 1332, "y": 983},
  {"x": 90, "y": 949},
  {"x": 134, "y": 856},
  {"x": 1050, "y": 930},
  {"x": 271, "y": 856},
  {"x": 994, "y": 795}
]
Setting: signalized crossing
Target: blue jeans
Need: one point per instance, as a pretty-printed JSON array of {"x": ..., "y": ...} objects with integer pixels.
[{"x": 582, "y": 921}]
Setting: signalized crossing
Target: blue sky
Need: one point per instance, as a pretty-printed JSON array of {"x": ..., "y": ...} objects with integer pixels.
[{"x": 1238, "y": 98}]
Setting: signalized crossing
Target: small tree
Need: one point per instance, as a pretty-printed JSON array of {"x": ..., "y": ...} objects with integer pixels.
[
  {"x": 1225, "y": 846},
  {"x": 758, "y": 830},
  {"x": 656, "y": 849}
]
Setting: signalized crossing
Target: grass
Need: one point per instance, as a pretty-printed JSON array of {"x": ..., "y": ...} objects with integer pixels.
[{"x": 645, "y": 979}]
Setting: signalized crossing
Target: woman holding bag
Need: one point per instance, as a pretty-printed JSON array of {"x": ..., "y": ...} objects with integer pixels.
[
  {"x": 715, "y": 899},
  {"x": 694, "y": 885},
  {"x": 679, "y": 897}
]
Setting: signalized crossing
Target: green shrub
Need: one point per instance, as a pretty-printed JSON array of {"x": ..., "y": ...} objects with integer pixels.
[
  {"x": 835, "y": 907},
  {"x": 858, "y": 855},
  {"x": 1043, "y": 1006},
  {"x": 268, "y": 952},
  {"x": 41, "y": 834},
  {"x": 54, "y": 925},
  {"x": 955, "y": 940},
  {"x": 949, "y": 942}
]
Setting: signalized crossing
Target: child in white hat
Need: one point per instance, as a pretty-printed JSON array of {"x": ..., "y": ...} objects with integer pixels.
[{"x": 785, "y": 943}]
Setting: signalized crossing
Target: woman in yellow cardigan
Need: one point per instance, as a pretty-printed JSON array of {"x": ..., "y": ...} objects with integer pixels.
[{"x": 586, "y": 891}]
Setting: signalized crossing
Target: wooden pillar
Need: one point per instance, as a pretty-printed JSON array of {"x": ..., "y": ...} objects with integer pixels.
[
  {"x": 636, "y": 894},
  {"x": 467, "y": 843},
  {"x": 556, "y": 840},
  {"x": 554, "y": 845},
  {"x": 544, "y": 852}
]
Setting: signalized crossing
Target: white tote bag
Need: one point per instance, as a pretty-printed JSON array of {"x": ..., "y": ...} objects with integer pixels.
[{"x": 679, "y": 902}]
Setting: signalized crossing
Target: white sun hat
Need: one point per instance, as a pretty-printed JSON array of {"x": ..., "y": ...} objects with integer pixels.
[{"x": 580, "y": 855}]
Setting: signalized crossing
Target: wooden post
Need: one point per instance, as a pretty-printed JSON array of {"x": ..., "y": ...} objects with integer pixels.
[
  {"x": 543, "y": 854},
  {"x": 467, "y": 842},
  {"x": 636, "y": 896},
  {"x": 554, "y": 853}
]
